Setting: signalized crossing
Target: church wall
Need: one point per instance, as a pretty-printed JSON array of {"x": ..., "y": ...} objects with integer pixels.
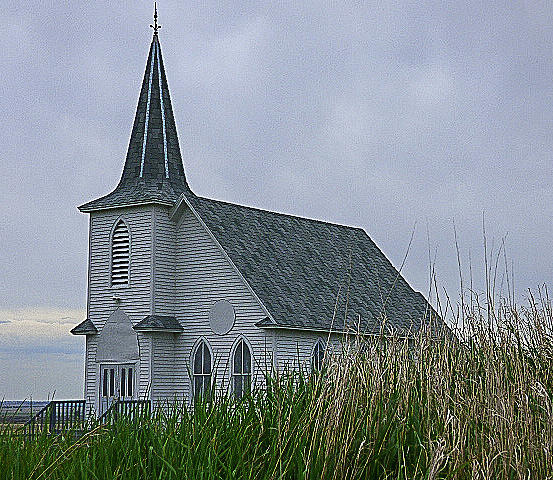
[
  {"x": 163, "y": 366},
  {"x": 145, "y": 365},
  {"x": 91, "y": 372},
  {"x": 294, "y": 348},
  {"x": 190, "y": 273},
  {"x": 203, "y": 276},
  {"x": 165, "y": 239},
  {"x": 135, "y": 300}
]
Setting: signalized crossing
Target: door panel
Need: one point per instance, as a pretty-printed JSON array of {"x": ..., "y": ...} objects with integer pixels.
[
  {"x": 117, "y": 382},
  {"x": 126, "y": 382}
]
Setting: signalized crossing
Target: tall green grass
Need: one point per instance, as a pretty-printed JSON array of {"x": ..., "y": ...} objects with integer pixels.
[{"x": 477, "y": 407}]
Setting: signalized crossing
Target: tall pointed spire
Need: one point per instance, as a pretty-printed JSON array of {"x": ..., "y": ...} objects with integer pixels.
[{"x": 153, "y": 171}]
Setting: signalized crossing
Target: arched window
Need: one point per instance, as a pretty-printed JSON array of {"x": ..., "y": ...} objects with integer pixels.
[
  {"x": 202, "y": 371},
  {"x": 318, "y": 356},
  {"x": 241, "y": 369},
  {"x": 120, "y": 250}
]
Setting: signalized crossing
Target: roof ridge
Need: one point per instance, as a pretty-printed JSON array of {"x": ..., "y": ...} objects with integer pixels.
[{"x": 289, "y": 215}]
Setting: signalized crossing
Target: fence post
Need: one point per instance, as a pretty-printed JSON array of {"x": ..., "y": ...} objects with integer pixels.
[{"x": 52, "y": 417}]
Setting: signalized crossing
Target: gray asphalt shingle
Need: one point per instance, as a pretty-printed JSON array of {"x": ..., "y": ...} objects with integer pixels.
[
  {"x": 155, "y": 185},
  {"x": 158, "y": 322},
  {"x": 86, "y": 327},
  {"x": 313, "y": 274}
]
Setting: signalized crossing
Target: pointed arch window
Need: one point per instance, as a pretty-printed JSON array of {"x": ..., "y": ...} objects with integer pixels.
[
  {"x": 201, "y": 370},
  {"x": 241, "y": 369},
  {"x": 318, "y": 356},
  {"x": 120, "y": 255}
]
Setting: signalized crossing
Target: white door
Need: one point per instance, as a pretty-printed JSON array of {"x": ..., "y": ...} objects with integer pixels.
[{"x": 117, "y": 382}]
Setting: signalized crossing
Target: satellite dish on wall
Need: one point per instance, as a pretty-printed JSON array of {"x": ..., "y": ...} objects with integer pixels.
[{"x": 221, "y": 317}]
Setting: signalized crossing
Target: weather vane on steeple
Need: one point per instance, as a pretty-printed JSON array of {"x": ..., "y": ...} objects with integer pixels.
[{"x": 155, "y": 26}]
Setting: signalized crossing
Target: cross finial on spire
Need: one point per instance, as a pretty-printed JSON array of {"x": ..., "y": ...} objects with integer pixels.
[{"x": 155, "y": 26}]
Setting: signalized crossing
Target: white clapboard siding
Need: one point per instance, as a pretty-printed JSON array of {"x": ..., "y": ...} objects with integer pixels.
[
  {"x": 163, "y": 367},
  {"x": 203, "y": 276},
  {"x": 135, "y": 298},
  {"x": 179, "y": 269},
  {"x": 91, "y": 372},
  {"x": 144, "y": 380},
  {"x": 164, "y": 262},
  {"x": 294, "y": 348}
]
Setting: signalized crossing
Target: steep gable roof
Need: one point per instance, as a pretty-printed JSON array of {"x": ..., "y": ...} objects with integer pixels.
[{"x": 316, "y": 275}]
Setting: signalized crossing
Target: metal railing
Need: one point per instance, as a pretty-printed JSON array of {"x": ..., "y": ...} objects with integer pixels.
[
  {"x": 128, "y": 409},
  {"x": 55, "y": 417},
  {"x": 60, "y": 416}
]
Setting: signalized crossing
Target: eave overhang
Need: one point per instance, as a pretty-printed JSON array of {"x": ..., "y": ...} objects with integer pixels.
[
  {"x": 84, "y": 209},
  {"x": 266, "y": 325},
  {"x": 159, "y": 323},
  {"x": 86, "y": 327}
]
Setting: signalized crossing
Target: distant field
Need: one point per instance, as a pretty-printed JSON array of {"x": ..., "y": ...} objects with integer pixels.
[{"x": 18, "y": 412}]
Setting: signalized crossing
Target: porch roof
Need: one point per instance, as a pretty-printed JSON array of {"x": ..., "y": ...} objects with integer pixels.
[
  {"x": 86, "y": 327},
  {"x": 159, "y": 323}
]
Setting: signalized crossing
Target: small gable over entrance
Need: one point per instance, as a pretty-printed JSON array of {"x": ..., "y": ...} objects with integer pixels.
[{"x": 117, "y": 341}]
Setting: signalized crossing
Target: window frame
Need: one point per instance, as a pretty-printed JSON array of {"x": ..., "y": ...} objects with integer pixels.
[
  {"x": 126, "y": 381},
  {"x": 245, "y": 387},
  {"x": 202, "y": 342},
  {"x": 318, "y": 355},
  {"x": 110, "y": 385},
  {"x": 118, "y": 286}
]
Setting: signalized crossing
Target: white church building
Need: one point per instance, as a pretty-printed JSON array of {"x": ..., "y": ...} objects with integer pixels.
[{"x": 185, "y": 292}]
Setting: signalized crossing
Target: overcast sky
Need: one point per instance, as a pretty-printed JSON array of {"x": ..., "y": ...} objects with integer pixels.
[{"x": 398, "y": 117}]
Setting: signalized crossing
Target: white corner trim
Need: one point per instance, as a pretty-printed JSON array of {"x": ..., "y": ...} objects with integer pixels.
[
  {"x": 162, "y": 112},
  {"x": 153, "y": 261},
  {"x": 147, "y": 116},
  {"x": 176, "y": 210}
]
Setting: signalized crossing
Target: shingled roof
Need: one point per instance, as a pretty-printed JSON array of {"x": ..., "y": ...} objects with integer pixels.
[
  {"x": 161, "y": 323},
  {"x": 86, "y": 327},
  {"x": 311, "y": 274}
]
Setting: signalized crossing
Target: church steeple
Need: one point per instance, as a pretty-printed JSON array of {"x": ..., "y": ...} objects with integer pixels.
[{"x": 153, "y": 171}]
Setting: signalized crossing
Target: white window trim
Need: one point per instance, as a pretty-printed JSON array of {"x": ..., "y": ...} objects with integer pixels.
[
  {"x": 252, "y": 362},
  {"x": 320, "y": 342},
  {"x": 197, "y": 345}
]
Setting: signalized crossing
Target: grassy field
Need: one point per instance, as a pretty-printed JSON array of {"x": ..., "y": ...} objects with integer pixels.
[{"x": 478, "y": 408}]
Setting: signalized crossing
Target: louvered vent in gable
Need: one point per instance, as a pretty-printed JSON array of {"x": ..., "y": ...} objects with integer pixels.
[{"x": 120, "y": 250}]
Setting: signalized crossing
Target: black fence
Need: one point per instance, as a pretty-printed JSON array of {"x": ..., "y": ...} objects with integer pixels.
[
  {"x": 128, "y": 409},
  {"x": 61, "y": 416},
  {"x": 55, "y": 417}
]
